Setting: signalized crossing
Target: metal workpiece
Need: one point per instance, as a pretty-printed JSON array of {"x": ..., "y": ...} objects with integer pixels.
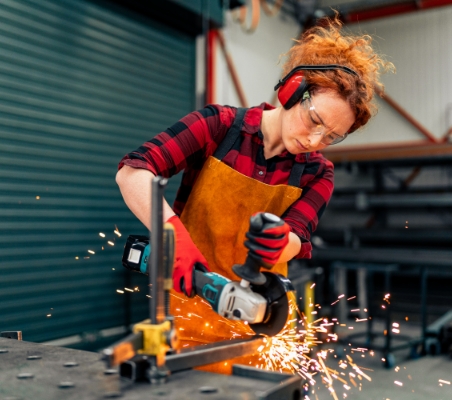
[
  {"x": 17, "y": 335},
  {"x": 191, "y": 357},
  {"x": 122, "y": 350},
  {"x": 139, "y": 367}
]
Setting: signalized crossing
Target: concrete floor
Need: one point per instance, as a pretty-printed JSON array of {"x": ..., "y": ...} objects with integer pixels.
[{"x": 420, "y": 378}]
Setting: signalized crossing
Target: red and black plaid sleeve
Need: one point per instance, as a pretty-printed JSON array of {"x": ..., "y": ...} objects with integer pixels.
[{"x": 187, "y": 144}]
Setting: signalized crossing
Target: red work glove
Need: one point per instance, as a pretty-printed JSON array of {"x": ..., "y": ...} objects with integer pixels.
[
  {"x": 187, "y": 258},
  {"x": 267, "y": 237}
]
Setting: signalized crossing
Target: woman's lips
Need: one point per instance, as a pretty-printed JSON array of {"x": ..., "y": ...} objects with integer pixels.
[{"x": 301, "y": 146}]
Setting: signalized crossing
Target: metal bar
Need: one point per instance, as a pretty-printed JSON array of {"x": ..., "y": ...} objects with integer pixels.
[
  {"x": 155, "y": 262},
  {"x": 388, "y": 313},
  {"x": 257, "y": 373},
  {"x": 424, "y": 307},
  {"x": 371, "y": 308},
  {"x": 123, "y": 350},
  {"x": 212, "y": 353},
  {"x": 412, "y": 236},
  {"x": 432, "y": 258},
  {"x": 17, "y": 335}
]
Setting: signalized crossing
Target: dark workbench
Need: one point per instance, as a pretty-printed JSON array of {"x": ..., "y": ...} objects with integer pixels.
[{"x": 31, "y": 371}]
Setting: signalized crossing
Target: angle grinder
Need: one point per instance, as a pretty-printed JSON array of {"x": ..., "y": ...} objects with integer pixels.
[{"x": 260, "y": 298}]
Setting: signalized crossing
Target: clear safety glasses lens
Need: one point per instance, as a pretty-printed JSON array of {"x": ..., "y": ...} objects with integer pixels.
[{"x": 309, "y": 119}]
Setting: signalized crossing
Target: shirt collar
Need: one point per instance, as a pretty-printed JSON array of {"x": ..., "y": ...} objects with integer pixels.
[{"x": 252, "y": 123}]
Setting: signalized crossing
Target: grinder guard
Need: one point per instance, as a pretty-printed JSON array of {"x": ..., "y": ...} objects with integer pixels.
[{"x": 275, "y": 290}]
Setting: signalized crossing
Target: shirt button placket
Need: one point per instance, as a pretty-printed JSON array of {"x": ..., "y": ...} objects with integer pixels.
[{"x": 260, "y": 175}]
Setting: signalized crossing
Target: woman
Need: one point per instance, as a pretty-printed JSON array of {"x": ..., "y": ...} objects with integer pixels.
[{"x": 238, "y": 162}]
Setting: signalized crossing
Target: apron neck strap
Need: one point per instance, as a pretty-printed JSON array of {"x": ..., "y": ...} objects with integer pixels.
[
  {"x": 295, "y": 174},
  {"x": 232, "y": 135}
]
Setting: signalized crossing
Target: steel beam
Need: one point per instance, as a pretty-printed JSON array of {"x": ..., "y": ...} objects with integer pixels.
[
  {"x": 429, "y": 258},
  {"x": 211, "y": 353},
  {"x": 363, "y": 201},
  {"x": 418, "y": 152}
]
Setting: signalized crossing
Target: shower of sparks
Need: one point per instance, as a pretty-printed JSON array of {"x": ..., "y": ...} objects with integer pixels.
[
  {"x": 120, "y": 291},
  {"x": 49, "y": 315},
  {"x": 129, "y": 290},
  {"x": 110, "y": 243},
  {"x": 443, "y": 381},
  {"x": 398, "y": 383},
  {"x": 101, "y": 234},
  {"x": 91, "y": 252},
  {"x": 294, "y": 350},
  {"x": 38, "y": 197}
]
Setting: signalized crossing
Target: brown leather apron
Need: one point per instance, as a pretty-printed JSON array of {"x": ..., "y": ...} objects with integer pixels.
[{"x": 217, "y": 216}]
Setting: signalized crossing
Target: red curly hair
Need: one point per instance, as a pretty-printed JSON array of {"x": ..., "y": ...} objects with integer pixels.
[{"x": 325, "y": 44}]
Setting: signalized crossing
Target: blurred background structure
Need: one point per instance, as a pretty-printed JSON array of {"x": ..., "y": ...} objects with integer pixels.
[{"x": 85, "y": 81}]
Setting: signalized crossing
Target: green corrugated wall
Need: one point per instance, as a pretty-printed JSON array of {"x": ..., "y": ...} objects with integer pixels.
[{"x": 81, "y": 84}]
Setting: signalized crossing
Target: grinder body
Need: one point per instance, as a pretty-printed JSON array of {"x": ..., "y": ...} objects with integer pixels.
[{"x": 263, "y": 305}]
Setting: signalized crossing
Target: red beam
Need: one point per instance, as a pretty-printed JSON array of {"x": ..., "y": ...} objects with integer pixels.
[
  {"x": 394, "y": 9},
  {"x": 210, "y": 67},
  {"x": 387, "y": 151}
]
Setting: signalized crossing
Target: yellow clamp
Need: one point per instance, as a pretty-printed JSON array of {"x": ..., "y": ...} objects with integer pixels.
[{"x": 155, "y": 342}]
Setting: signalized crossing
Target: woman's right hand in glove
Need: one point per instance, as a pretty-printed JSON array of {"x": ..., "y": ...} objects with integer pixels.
[{"x": 187, "y": 259}]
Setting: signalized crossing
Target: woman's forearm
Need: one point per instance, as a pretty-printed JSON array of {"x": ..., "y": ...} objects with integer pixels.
[{"x": 135, "y": 187}]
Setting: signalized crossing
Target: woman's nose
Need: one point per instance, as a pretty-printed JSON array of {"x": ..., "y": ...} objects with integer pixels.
[{"x": 315, "y": 139}]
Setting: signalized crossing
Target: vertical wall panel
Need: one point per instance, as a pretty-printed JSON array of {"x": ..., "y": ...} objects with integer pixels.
[
  {"x": 420, "y": 46},
  {"x": 81, "y": 84}
]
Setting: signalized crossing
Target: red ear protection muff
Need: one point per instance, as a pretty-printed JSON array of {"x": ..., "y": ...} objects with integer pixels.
[
  {"x": 292, "y": 90},
  {"x": 293, "y": 85}
]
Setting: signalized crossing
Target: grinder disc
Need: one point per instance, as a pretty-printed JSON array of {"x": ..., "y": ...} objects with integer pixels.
[{"x": 275, "y": 290}]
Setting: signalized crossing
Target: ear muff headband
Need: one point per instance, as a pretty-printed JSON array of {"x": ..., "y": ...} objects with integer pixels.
[{"x": 293, "y": 85}]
